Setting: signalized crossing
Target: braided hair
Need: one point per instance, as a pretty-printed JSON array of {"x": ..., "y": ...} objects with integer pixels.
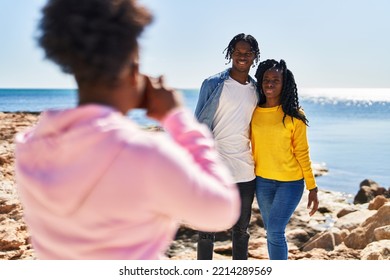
[
  {"x": 289, "y": 96},
  {"x": 245, "y": 38},
  {"x": 92, "y": 39}
]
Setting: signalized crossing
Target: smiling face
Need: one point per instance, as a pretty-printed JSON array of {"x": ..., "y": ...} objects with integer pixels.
[
  {"x": 242, "y": 57},
  {"x": 272, "y": 85}
]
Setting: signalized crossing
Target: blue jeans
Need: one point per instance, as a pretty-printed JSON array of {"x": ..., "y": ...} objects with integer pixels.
[
  {"x": 240, "y": 235},
  {"x": 277, "y": 202}
]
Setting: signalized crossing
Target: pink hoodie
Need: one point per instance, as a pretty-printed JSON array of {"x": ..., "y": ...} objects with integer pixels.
[{"x": 95, "y": 186}]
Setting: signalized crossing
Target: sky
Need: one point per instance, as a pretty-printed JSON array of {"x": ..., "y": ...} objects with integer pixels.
[{"x": 326, "y": 44}]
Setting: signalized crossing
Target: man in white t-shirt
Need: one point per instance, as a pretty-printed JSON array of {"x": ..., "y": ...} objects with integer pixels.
[{"x": 226, "y": 103}]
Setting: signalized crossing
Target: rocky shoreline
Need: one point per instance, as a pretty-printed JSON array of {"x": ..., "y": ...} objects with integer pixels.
[{"x": 346, "y": 227}]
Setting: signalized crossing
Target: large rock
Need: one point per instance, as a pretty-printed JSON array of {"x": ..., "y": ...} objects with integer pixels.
[
  {"x": 377, "y": 202},
  {"x": 327, "y": 240},
  {"x": 364, "y": 234},
  {"x": 381, "y": 233},
  {"x": 379, "y": 250},
  {"x": 368, "y": 190},
  {"x": 354, "y": 219},
  {"x": 346, "y": 210}
]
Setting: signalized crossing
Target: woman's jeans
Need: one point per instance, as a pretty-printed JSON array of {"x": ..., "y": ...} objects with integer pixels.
[
  {"x": 240, "y": 235},
  {"x": 277, "y": 202}
]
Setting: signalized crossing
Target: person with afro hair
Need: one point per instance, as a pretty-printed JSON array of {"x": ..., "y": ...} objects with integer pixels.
[{"x": 95, "y": 185}]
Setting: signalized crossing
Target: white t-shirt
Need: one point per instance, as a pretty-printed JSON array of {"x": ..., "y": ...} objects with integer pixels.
[{"x": 231, "y": 128}]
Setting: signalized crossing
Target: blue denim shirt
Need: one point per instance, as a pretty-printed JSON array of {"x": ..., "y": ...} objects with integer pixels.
[{"x": 209, "y": 95}]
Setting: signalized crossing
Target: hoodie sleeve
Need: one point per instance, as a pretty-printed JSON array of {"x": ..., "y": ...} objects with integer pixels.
[{"x": 199, "y": 189}]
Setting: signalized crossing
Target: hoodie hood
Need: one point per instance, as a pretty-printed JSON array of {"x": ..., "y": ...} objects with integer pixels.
[{"x": 60, "y": 160}]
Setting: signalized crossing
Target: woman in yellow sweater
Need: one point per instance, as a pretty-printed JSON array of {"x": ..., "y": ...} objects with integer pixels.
[{"x": 281, "y": 153}]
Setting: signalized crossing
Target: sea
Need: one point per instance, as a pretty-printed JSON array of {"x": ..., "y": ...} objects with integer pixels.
[{"x": 348, "y": 133}]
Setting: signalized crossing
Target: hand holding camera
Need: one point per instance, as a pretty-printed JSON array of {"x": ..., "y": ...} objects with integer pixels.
[{"x": 158, "y": 100}]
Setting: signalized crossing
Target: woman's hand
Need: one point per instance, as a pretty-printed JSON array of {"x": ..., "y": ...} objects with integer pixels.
[
  {"x": 313, "y": 201},
  {"x": 159, "y": 99}
]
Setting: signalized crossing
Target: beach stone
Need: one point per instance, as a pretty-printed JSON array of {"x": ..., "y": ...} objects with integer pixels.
[
  {"x": 257, "y": 248},
  {"x": 327, "y": 240},
  {"x": 379, "y": 250},
  {"x": 297, "y": 236},
  {"x": 346, "y": 211},
  {"x": 354, "y": 219},
  {"x": 381, "y": 233},
  {"x": 3, "y": 160},
  {"x": 361, "y": 236},
  {"x": 377, "y": 202},
  {"x": 6, "y": 208},
  {"x": 10, "y": 239},
  {"x": 367, "y": 191}
]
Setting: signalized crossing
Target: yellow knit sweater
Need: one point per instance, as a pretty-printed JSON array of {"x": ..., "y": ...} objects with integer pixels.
[{"x": 280, "y": 152}]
